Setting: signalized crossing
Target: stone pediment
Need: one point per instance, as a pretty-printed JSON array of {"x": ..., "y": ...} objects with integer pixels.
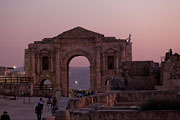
[
  {"x": 45, "y": 51},
  {"x": 110, "y": 50},
  {"x": 79, "y": 32}
]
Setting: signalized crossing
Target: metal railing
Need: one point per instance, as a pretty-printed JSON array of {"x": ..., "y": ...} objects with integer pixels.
[{"x": 16, "y": 80}]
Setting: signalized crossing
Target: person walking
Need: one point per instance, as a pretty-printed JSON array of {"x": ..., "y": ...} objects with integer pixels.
[
  {"x": 49, "y": 103},
  {"x": 41, "y": 102},
  {"x": 54, "y": 106},
  {"x": 38, "y": 111},
  {"x": 5, "y": 116}
]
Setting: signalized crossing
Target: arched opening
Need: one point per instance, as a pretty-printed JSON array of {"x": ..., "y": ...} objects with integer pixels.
[
  {"x": 44, "y": 88},
  {"x": 46, "y": 85},
  {"x": 79, "y": 75}
]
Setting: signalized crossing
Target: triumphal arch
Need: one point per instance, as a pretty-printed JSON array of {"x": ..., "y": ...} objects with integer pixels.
[{"x": 49, "y": 58}]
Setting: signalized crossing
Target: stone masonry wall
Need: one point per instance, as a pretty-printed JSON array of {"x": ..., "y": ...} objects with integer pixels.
[
  {"x": 118, "y": 98},
  {"x": 90, "y": 107},
  {"x": 105, "y": 99},
  {"x": 15, "y": 89},
  {"x": 126, "y": 98},
  {"x": 141, "y": 75},
  {"x": 125, "y": 115}
]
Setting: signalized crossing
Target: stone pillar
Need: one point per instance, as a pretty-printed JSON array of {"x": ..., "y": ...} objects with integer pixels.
[
  {"x": 98, "y": 68},
  {"x": 51, "y": 62},
  {"x": 38, "y": 64},
  {"x": 117, "y": 60},
  {"x": 57, "y": 81},
  {"x": 33, "y": 66},
  {"x": 123, "y": 53},
  {"x": 92, "y": 77},
  {"x": 129, "y": 52},
  {"x": 64, "y": 80}
]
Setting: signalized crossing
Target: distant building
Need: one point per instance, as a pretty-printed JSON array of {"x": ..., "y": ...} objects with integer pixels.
[
  {"x": 2, "y": 71},
  {"x": 110, "y": 60}
]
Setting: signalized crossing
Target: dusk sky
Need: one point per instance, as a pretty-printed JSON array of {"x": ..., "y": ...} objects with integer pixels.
[{"x": 154, "y": 24}]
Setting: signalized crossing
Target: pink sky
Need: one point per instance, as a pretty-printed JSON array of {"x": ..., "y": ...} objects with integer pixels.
[{"x": 154, "y": 24}]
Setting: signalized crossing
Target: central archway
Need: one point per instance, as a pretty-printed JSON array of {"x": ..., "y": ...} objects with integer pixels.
[
  {"x": 79, "y": 75},
  {"x": 65, "y": 69}
]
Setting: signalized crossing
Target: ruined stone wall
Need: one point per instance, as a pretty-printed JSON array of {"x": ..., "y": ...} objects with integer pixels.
[
  {"x": 141, "y": 75},
  {"x": 125, "y": 98},
  {"x": 124, "y": 115},
  {"x": 107, "y": 107},
  {"x": 118, "y": 98},
  {"x": 170, "y": 76},
  {"x": 104, "y": 99},
  {"x": 15, "y": 89}
]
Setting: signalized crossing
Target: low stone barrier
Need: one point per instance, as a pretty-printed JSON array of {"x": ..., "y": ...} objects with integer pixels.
[
  {"x": 142, "y": 96},
  {"x": 87, "y": 108},
  {"x": 105, "y": 99},
  {"x": 119, "y": 98},
  {"x": 15, "y": 89},
  {"x": 49, "y": 118},
  {"x": 125, "y": 115}
]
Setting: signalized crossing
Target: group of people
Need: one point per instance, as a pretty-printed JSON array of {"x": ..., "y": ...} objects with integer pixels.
[
  {"x": 80, "y": 93},
  {"x": 51, "y": 103},
  {"x": 52, "y": 106}
]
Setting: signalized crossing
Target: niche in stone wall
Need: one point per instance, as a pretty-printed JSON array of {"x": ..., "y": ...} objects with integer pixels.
[
  {"x": 110, "y": 62},
  {"x": 110, "y": 59},
  {"x": 45, "y": 56},
  {"x": 45, "y": 63}
]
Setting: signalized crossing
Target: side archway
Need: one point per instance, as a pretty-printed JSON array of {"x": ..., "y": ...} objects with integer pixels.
[
  {"x": 45, "y": 87},
  {"x": 46, "y": 84}
]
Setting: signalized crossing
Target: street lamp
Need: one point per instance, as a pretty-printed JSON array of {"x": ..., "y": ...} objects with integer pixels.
[{"x": 14, "y": 67}]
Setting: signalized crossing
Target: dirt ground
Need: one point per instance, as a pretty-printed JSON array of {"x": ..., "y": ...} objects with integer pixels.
[{"x": 18, "y": 110}]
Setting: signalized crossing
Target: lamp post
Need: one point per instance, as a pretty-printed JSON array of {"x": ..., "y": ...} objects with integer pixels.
[
  {"x": 14, "y": 67},
  {"x": 76, "y": 84}
]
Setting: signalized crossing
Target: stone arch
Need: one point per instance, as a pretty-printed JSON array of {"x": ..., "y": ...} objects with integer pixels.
[
  {"x": 76, "y": 42},
  {"x": 42, "y": 80},
  {"x": 65, "y": 68},
  {"x": 45, "y": 51},
  {"x": 107, "y": 81},
  {"x": 68, "y": 57}
]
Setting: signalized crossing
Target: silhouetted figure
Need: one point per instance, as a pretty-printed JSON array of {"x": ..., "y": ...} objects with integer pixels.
[
  {"x": 49, "y": 102},
  {"x": 41, "y": 102},
  {"x": 38, "y": 111},
  {"x": 170, "y": 52},
  {"x": 129, "y": 38},
  {"x": 5, "y": 116},
  {"x": 54, "y": 106}
]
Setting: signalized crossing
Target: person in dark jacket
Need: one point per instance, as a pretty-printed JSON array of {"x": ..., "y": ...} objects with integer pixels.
[
  {"x": 5, "y": 116},
  {"x": 38, "y": 111}
]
